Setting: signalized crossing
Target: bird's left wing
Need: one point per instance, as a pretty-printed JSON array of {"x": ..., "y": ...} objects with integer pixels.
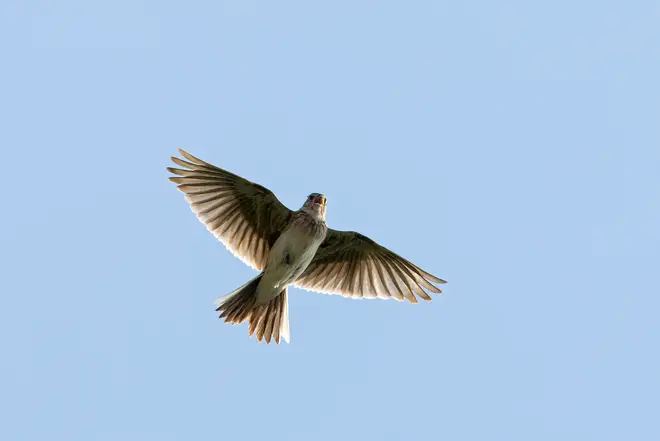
[
  {"x": 246, "y": 217},
  {"x": 352, "y": 265}
]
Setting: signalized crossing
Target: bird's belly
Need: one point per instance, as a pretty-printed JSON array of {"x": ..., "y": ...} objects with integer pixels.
[{"x": 289, "y": 257}]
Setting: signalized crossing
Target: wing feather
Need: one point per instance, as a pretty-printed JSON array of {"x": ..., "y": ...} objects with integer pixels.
[
  {"x": 352, "y": 265},
  {"x": 246, "y": 217}
]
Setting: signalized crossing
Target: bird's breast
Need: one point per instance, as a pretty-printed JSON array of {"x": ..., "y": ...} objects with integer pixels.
[{"x": 289, "y": 257}]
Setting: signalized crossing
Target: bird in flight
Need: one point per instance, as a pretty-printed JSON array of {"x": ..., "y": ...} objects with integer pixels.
[{"x": 289, "y": 248}]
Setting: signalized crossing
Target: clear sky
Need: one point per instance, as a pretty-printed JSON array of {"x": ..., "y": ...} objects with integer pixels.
[{"x": 511, "y": 147}]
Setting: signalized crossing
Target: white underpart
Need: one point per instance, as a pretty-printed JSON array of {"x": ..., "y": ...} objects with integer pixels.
[{"x": 300, "y": 245}]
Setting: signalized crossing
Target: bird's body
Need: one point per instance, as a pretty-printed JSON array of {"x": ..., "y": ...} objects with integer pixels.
[
  {"x": 289, "y": 248},
  {"x": 291, "y": 254}
]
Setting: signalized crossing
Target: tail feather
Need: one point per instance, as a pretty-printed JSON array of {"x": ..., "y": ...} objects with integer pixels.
[
  {"x": 272, "y": 319},
  {"x": 269, "y": 321}
]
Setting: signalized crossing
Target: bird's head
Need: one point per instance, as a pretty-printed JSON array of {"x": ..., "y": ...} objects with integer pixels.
[{"x": 315, "y": 204}]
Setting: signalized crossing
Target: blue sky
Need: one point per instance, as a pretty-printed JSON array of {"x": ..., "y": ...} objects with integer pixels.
[{"x": 509, "y": 147}]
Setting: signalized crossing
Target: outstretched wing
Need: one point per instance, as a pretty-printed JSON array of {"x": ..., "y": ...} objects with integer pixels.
[
  {"x": 353, "y": 265},
  {"x": 246, "y": 217}
]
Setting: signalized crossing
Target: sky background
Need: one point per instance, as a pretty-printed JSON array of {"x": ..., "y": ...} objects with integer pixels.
[{"x": 512, "y": 148}]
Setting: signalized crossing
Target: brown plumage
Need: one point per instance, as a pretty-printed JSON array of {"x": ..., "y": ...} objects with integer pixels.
[{"x": 289, "y": 248}]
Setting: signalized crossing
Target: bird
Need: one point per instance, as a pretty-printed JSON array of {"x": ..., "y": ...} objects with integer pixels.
[{"x": 289, "y": 248}]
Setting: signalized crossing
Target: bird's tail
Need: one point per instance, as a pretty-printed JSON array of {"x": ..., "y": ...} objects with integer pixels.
[{"x": 267, "y": 321}]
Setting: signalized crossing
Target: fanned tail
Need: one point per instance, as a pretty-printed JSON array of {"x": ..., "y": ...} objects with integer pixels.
[{"x": 269, "y": 321}]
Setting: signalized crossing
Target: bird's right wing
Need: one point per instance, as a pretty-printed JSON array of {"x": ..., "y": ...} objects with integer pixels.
[
  {"x": 246, "y": 217},
  {"x": 352, "y": 265}
]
